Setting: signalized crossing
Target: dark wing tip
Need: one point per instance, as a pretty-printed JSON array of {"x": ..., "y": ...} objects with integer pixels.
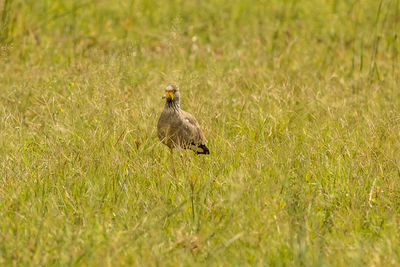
[{"x": 204, "y": 150}]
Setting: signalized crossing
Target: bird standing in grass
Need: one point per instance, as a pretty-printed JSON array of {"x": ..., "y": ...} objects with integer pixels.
[{"x": 177, "y": 128}]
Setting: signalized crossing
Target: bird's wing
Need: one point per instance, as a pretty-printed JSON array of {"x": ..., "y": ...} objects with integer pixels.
[{"x": 190, "y": 129}]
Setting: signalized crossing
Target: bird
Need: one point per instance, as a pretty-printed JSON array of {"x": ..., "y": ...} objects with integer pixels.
[{"x": 177, "y": 128}]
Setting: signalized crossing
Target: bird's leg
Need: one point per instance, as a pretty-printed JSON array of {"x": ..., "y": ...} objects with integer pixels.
[
  {"x": 186, "y": 156},
  {"x": 172, "y": 162}
]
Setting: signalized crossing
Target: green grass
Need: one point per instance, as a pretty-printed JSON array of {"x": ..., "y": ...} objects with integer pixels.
[{"x": 299, "y": 101}]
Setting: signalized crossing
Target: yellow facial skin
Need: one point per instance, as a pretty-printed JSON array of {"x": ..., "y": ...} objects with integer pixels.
[{"x": 169, "y": 94}]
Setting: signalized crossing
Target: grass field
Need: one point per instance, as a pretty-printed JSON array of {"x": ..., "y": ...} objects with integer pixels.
[{"x": 299, "y": 101}]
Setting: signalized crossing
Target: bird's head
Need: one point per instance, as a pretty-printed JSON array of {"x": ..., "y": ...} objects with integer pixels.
[{"x": 172, "y": 93}]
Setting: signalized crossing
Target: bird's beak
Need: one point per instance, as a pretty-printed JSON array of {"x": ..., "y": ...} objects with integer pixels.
[{"x": 169, "y": 94}]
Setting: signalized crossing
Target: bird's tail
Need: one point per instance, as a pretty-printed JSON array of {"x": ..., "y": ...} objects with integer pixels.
[
  {"x": 198, "y": 148},
  {"x": 202, "y": 149}
]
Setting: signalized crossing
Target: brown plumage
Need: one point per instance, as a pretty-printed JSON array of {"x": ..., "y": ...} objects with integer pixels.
[{"x": 178, "y": 128}]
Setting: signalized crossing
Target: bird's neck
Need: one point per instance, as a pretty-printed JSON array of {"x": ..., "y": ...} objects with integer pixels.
[{"x": 175, "y": 105}]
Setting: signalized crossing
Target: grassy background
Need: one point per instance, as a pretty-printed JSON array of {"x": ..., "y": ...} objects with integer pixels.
[{"x": 299, "y": 101}]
